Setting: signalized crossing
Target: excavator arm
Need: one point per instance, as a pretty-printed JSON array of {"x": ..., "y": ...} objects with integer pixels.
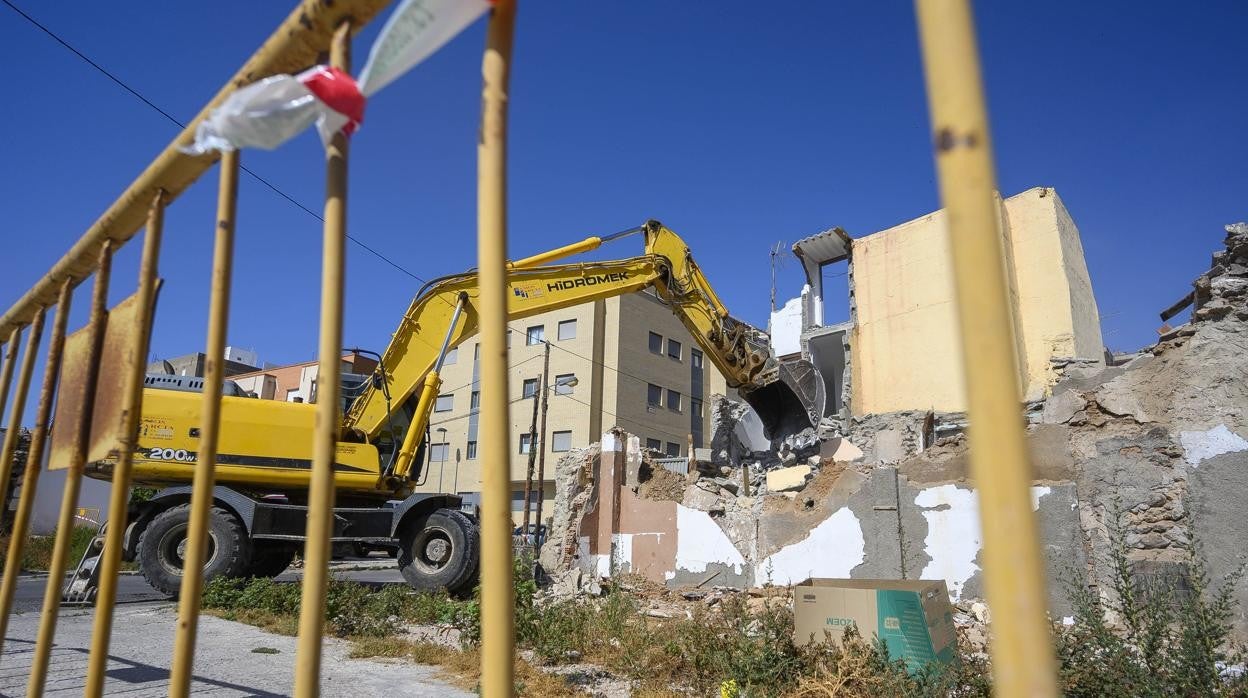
[{"x": 444, "y": 314}]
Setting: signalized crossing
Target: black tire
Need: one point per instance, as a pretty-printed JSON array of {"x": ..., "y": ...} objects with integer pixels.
[
  {"x": 270, "y": 559},
  {"x": 441, "y": 551},
  {"x": 163, "y": 542}
]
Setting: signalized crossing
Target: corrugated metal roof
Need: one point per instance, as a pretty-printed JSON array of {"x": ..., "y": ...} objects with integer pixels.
[{"x": 829, "y": 246}]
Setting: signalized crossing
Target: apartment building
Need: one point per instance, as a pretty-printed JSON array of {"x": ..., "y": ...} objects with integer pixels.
[
  {"x": 625, "y": 361},
  {"x": 296, "y": 382}
]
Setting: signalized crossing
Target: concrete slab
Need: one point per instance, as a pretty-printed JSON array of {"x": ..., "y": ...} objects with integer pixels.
[
  {"x": 227, "y": 662},
  {"x": 788, "y": 479}
]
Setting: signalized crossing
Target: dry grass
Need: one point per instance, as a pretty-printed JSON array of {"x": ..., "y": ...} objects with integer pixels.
[
  {"x": 269, "y": 622},
  {"x": 461, "y": 667}
]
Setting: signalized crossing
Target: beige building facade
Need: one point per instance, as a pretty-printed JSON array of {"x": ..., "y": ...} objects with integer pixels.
[
  {"x": 625, "y": 361},
  {"x": 900, "y": 348}
]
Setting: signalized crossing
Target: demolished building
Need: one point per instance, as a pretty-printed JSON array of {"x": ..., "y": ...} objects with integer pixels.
[
  {"x": 1151, "y": 445},
  {"x": 899, "y": 349}
]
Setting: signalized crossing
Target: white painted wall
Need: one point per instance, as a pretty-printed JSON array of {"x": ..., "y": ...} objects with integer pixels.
[
  {"x": 831, "y": 550},
  {"x": 785, "y": 327}
]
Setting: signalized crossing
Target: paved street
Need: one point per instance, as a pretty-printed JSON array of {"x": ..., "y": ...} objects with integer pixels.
[{"x": 232, "y": 659}]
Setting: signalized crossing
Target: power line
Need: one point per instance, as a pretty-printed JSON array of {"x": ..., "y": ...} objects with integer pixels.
[
  {"x": 270, "y": 185},
  {"x": 177, "y": 122}
]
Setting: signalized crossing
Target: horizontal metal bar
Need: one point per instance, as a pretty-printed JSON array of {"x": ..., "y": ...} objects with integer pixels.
[{"x": 296, "y": 44}]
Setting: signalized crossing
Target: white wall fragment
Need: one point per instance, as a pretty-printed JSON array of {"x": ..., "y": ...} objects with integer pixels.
[
  {"x": 831, "y": 549},
  {"x": 953, "y": 534},
  {"x": 1199, "y": 445},
  {"x": 701, "y": 542}
]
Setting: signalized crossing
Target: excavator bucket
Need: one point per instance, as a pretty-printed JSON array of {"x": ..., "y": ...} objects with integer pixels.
[{"x": 790, "y": 401}]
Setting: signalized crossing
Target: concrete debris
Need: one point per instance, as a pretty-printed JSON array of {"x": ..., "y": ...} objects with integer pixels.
[
  {"x": 1142, "y": 443},
  {"x": 788, "y": 479}
]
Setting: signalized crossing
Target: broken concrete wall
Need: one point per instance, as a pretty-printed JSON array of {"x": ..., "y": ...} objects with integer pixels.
[{"x": 1155, "y": 446}]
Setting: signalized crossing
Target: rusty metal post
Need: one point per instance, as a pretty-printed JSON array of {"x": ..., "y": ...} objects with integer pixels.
[
  {"x": 1022, "y": 649},
  {"x": 73, "y": 476},
  {"x": 10, "y": 360},
  {"x": 204, "y": 479},
  {"x": 497, "y": 597},
  {"x": 541, "y": 454},
  {"x": 19, "y": 405},
  {"x": 34, "y": 459},
  {"x": 328, "y": 411},
  {"x": 528, "y": 476},
  {"x": 119, "y": 496}
]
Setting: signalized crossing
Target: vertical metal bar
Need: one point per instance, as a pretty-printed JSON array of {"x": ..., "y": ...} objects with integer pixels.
[
  {"x": 73, "y": 476},
  {"x": 532, "y": 465},
  {"x": 328, "y": 409},
  {"x": 19, "y": 405},
  {"x": 540, "y": 441},
  {"x": 497, "y": 598},
  {"x": 120, "y": 494},
  {"x": 34, "y": 459},
  {"x": 10, "y": 360},
  {"x": 210, "y": 427},
  {"x": 1022, "y": 651}
]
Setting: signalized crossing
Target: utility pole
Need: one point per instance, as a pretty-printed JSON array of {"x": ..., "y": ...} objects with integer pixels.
[
  {"x": 541, "y": 456},
  {"x": 528, "y": 478}
]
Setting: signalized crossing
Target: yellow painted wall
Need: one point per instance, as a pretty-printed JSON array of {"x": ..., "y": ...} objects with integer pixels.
[{"x": 904, "y": 345}]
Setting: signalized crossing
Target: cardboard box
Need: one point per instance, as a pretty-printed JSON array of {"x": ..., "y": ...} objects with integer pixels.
[{"x": 912, "y": 617}]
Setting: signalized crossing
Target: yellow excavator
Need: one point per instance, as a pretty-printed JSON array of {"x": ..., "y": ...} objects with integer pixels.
[{"x": 265, "y": 446}]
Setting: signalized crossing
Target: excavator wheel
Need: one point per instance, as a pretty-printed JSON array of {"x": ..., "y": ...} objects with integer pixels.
[
  {"x": 270, "y": 559},
  {"x": 162, "y": 547},
  {"x": 441, "y": 551}
]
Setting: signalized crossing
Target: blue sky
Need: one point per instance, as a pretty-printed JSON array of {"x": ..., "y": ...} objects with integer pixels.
[{"x": 740, "y": 127}]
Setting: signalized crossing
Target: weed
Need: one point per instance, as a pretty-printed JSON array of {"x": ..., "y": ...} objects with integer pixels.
[
  {"x": 1151, "y": 638},
  {"x": 37, "y": 553}
]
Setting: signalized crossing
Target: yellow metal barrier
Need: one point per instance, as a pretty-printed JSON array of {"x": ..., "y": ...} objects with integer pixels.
[
  {"x": 328, "y": 417},
  {"x": 497, "y": 597},
  {"x": 120, "y": 493},
  {"x": 1022, "y": 651},
  {"x": 89, "y": 365}
]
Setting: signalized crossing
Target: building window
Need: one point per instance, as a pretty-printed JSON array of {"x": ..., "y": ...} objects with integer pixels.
[
  {"x": 452, "y": 355},
  {"x": 444, "y": 403},
  {"x": 561, "y": 441},
  {"x": 564, "y": 383},
  {"x": 567, "y": 329},
  {"x": 438, "y": 452},
  {"x": 695, "y": 357},
  {"x": 673, "y": 400},
  {"x": 695, "y": 406},
  {"x": 476, "y": 351},
  {"x": 656, "y": 343},
  {"x": 474, "y": 402},
  {"x": 517, "y": 499},
  {"x": 535, "y": 335},
  {"x": 654, "y": 394},
  {"x": 530, "y": 388},
  {"x": 472, "y": 450},
  {"x": 673, "y": 449},
  {"x": 654, "y": 444},
  {"x": 673, "y": 348},
  {"x": 526, "y": 442}
]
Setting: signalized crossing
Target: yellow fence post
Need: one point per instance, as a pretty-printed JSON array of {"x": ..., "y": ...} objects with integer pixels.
[
  {"x": 497, "y": 598},
  {"x": 325, "y": 439},
  {"x": 1022, "y": 650},
  {"x": 119, "y": 496},
  {"x": 19, "y": 404},
  {"x": 34, "y": 460},
  {"x": 73, "y": 475},
  {"x": 202, "y": 485},
  {"x": 10, "y": 359}
]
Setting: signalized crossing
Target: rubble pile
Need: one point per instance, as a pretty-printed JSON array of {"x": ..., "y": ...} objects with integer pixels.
[{"x": 1151, "y": 444}]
